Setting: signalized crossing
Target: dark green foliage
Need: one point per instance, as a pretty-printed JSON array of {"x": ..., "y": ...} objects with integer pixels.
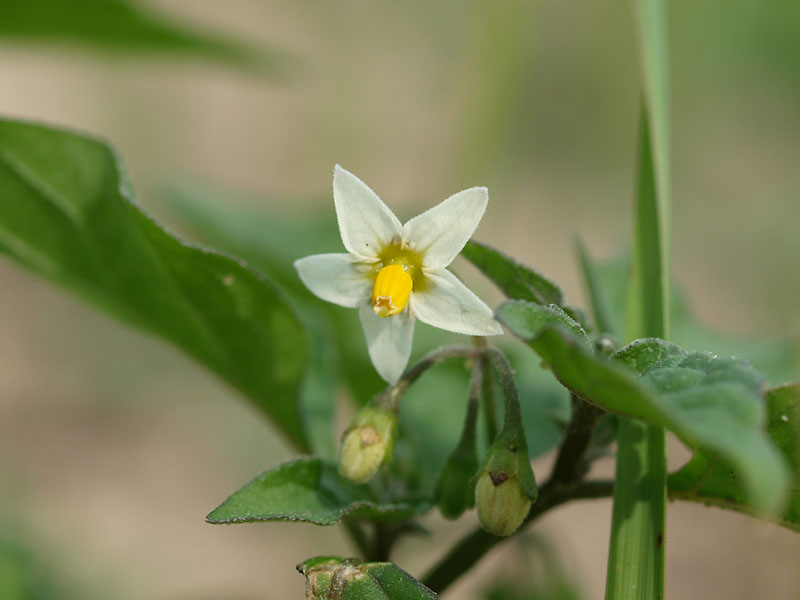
[
  {"x": 309, "y": 490},
  {"x": 67, "y": 213}
]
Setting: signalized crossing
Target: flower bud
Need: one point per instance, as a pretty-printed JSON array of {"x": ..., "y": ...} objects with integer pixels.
[
  {"x": 506, "y": 486},
  {"x": 367, "y": 443},
  {"x": 502, "y": 503},
  {"x": 454, "y": 492}
]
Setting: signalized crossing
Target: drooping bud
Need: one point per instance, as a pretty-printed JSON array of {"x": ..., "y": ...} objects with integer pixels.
[
  {"x": 453, "y": 491},
  {"x": 506, "y": 487},
  {"x": 502, "y": 504},
  {"x": 391, "y": 290},
  {"x": 367, "y": 443}
]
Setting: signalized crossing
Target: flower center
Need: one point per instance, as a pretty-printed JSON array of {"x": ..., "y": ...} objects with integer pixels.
[{"x": 391, "y": 291}]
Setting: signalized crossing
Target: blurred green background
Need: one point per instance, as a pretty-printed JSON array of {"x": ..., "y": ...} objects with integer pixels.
[{"x": 113, "y": 447}]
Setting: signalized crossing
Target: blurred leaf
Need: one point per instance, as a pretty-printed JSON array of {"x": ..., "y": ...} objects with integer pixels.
[
  {"x": 709, "y": 403},
  {"x": 536, "y": 573},
  {"x": 334, "y": 578},
  {"x": 454, "y": 492},
  {"x": 651, "y": 259},
  {"x": 21, "y": 575},
  {"x": 707, "y": 479},
  {"x": 778, "y": 359},
  {"x": 608, "y": 311},
  {"x": 67, "y": 212},
  {"x": 516, "y": 281},
  {"x": 648, "y": 304},
  {"x": 272, "y": 241},
  {"x": 121, "y": 26},
  {"x": 309, "y": 490},
  {"x": 560, "y": 588}
]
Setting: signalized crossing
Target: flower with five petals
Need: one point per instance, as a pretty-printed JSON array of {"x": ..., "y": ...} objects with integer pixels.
[{"x": 396, "y": 273}]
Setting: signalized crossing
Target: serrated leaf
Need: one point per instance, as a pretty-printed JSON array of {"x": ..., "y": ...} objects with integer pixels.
[
  {"x": 334, "y": 578},
  {"x": 310, "y": 490},
  {"x": 67, "y": 213},
  {"x": 527, "y": 319},
  {"x": 709, "y": 403},
  {"x": 121, "y": 26},
  {"x": 777, "y": 358},
  {"x": 514, "y": 279},
  {"x": 708, "y": 479}
]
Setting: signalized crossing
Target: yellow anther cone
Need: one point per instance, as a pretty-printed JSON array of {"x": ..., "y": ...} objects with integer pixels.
[{"x": 391, "y": 291}]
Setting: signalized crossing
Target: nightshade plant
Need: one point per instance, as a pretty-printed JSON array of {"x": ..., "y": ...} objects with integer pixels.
[{"x": 67, "y": 212}]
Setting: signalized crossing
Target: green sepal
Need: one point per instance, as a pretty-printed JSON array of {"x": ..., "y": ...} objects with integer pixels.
[
  {"x": 454, "y": 492},
  {"x": 368, "y": 442},
  {"x": 508, "y": 456}
]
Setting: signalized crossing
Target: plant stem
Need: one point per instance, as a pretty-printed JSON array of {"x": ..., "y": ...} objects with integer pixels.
[
  {"x": 490, "y": 409},
  {"x": 570, "y": 465},
  {"x": 636, "y": 548},
  {"x": 359, "y": 537},
  {"x": 636, "y": 554}
]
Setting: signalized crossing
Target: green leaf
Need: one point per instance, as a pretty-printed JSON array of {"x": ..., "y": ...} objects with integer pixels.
[
  {"x": 709, "y": 403},
  {"x": 648, "y": 304},
  {"x": 778, "y": 359},
  {"x": 334, "y": 578},
  {"x": 606, "y": 308},
  {"x": 708, "y": 479},
  {"x": 23, "y": 575},
  {"x": 309, "y": 490},
  {"x": 121, "y": 26},
  {"x": 272, "y": 242},
  {"x": 67, "y": 213},
  {"x": 527, "y": 319},
  {"x": 516, "y": 281}
]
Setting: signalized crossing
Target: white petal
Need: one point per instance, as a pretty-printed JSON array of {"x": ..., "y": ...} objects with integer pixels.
[
  {"x": 365, "y": 222},
  {"x": 441, "y": 232},
  {"x": 337, "y": 278},
  {"x": 388, "y": 341},
  {"x": 449, "y": 304}
]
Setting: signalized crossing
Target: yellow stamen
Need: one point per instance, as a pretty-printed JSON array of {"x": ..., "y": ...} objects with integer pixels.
[{"x": 392, "y": 289}]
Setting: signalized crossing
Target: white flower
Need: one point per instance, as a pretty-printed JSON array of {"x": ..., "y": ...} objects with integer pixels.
[{"x": 395, "y": 273}]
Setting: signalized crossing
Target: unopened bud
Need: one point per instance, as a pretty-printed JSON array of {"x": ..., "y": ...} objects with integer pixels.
[
  {"x": 502, "y": 503},
  {"x": 367, "y": 443},
  {"x": 506, "y": 485},
  {"x": 453, "y": 492}
]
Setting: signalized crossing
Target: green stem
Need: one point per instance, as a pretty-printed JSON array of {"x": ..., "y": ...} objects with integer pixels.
[
  {"x": 490, "y": 409},
  {"x": 359, "y": 537},
  {"x": 636, "y": 559},
  {"x": 636, "y": 548}
]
